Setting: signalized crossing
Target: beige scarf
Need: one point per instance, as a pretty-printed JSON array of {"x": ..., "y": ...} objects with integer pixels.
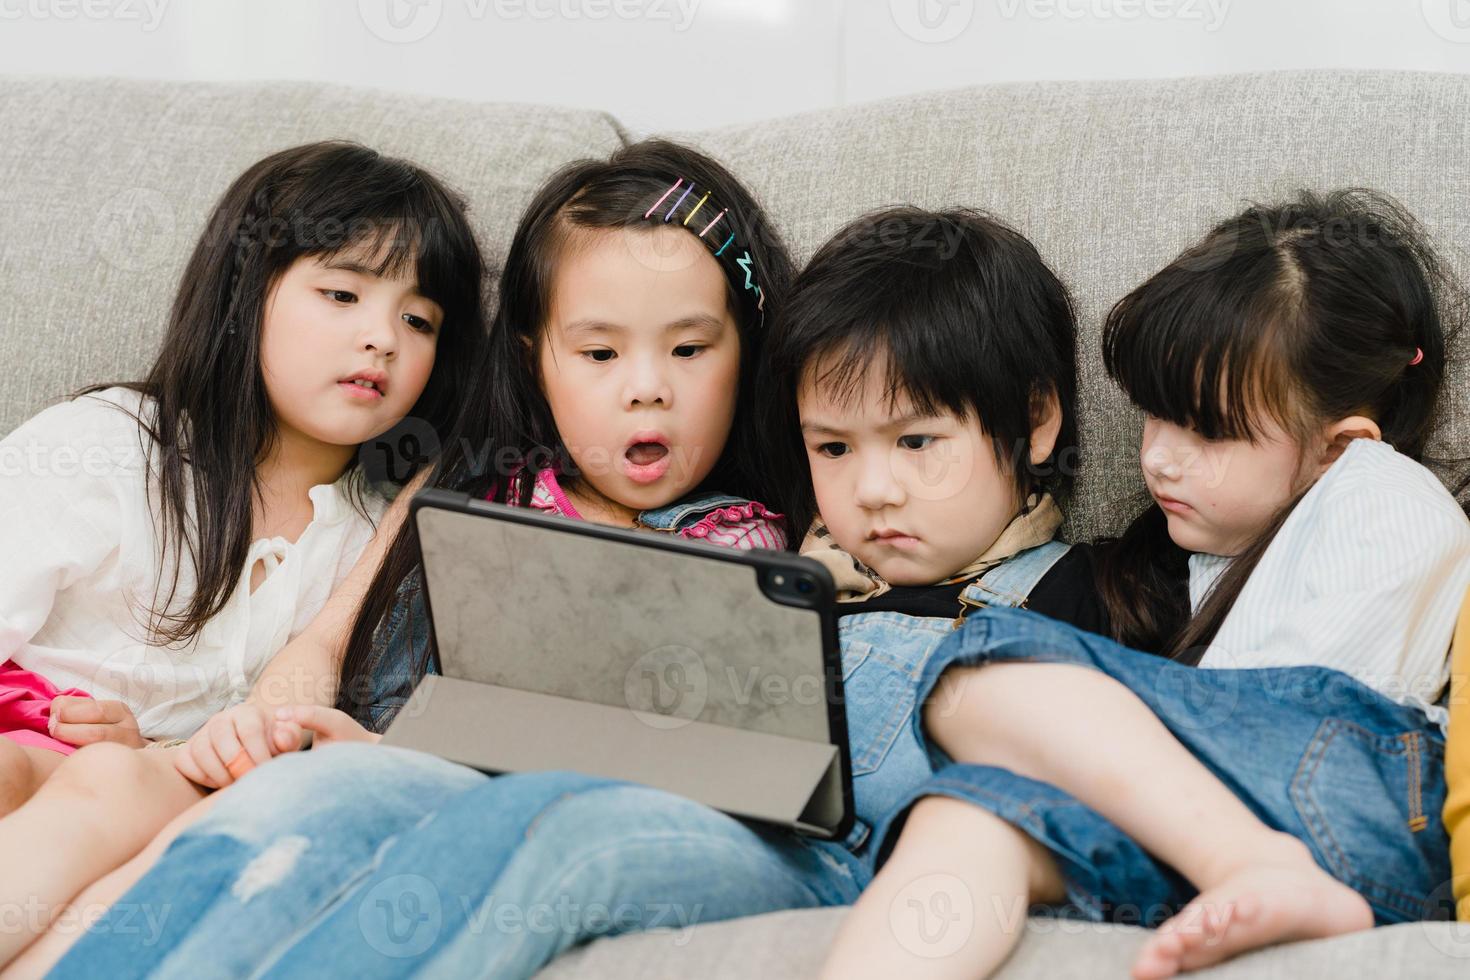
[{"x": 856, "y": 582}]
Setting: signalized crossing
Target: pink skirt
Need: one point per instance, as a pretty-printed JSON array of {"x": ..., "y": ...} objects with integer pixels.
[{"x": 25, "y": 707}]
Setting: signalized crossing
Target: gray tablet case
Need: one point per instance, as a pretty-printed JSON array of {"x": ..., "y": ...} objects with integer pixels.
[{"x": 704, "y": 671}]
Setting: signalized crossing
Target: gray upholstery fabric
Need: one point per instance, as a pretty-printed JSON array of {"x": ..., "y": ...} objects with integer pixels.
[
  {"x": 105, "y": 184},
  {"x": 1111, "y": 180},
  {"x": 790, "y": 946}
]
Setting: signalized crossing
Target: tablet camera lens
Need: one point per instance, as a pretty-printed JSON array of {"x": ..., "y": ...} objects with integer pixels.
[{"x": 804, "y": 586}]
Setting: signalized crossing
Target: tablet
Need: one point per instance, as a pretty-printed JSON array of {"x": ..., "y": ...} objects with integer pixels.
[{"x": 709, "y": 672}]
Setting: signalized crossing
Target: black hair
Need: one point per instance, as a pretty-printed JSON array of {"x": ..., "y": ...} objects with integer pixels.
[
  {"x": 213, "y": 422},
  {"x": 1297, "y": 314},
  {"x": 961, "y": 313},
  {"x": 505, "y": 419}
]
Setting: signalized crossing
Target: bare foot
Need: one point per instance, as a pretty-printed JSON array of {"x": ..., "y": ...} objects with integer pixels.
[{"x": 1254, "y": 908}]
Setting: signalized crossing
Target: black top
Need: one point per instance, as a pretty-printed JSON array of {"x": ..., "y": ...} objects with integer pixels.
[{"x": 1067, "y": 592}]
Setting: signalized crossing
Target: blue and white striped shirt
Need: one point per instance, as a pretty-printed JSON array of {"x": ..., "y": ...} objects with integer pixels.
[{"x": 1366, "y": 576}]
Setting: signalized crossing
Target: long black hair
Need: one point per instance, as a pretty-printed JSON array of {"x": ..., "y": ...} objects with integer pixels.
[
  {"x": 505, "y": 419},
  {"x": 211, "y": 422},
  {"x": 961, "y": 313},
  {"x": 1299, "y": 314}
]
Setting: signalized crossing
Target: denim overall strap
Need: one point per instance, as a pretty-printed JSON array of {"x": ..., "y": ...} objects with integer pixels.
[
  {"x": 678, "y": 515},
  {"x": 1011, "y": 582}
]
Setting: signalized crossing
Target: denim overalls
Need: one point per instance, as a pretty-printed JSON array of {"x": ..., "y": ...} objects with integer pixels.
[{"x": 404, "y": 864}]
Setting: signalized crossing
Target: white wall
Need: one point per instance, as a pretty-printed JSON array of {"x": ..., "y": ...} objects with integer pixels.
[{"x": 669, "y": 64}]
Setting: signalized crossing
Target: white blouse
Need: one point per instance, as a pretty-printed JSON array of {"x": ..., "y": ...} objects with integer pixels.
[
  {"x": 1366, "y": 576},
  {"x": 79, "y": 571}
]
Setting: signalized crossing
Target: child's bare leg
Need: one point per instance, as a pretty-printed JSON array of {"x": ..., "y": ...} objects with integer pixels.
[
  {"x": 97, "y": 898},
  {"x": 23, "y": 768},
  {"x": 96, "y": 811},
  {"x": 950, "y": 902},
  {"x": 1100, "y": 743}
]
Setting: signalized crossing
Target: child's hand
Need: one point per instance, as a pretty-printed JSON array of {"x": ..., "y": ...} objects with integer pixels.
[
  {"x": 228, "y": 746},
  {"x": 327, "y": 725},
  {"x": 84, "y": 721}
]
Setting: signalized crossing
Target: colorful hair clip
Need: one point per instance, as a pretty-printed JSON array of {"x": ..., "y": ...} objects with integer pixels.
[
  {"x": 1418, "y": 356},
  {"x": 649, "y": 212},
  {"x": 744, "y": 263},
  {"x": 678, "y": 202}
]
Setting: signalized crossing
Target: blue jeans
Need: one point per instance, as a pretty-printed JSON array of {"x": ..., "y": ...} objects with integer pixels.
[
  {"x": 388, "y": 837},
  {"x": 370, "y": 861},
  {"x": 1314, "y": 753}
]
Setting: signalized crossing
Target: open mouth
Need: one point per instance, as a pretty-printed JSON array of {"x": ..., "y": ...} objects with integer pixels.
[
  {"x": 647, "y": 458},
  {"x": 367, "y": 385}
]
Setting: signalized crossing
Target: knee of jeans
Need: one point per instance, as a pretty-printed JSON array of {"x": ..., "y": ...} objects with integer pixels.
[
  {"x": 604, "y": 820},
  {"x": 293, "y": 787}
]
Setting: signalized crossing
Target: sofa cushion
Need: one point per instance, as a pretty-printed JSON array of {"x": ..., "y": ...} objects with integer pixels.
[
  {"x": 1112, "y": 179},
  {"x": 105, "y": 185},
  {"x": 791, "y": 946}
]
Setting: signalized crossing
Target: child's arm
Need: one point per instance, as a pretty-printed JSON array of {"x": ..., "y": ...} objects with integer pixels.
[
  {"x": 303, "y": 672},
  {"x": 1457, "y": 764}
]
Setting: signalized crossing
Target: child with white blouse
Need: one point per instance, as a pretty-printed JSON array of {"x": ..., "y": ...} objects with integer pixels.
[{"x": 165, "y": 538}]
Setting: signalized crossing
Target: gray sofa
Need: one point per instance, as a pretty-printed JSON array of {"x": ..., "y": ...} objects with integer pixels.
[{"x": 105, "y": 184}]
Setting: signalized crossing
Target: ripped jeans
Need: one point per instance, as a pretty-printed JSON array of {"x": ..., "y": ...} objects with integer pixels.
[{"x": 366, "y": 861}]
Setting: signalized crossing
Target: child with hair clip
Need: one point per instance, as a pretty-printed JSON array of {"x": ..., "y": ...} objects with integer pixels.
[
  {"x": 921, "y": 399},
  {"x": 1280, "y": 774},
  {"x": 615, "y": 388},
  {"x": 217, "y": 502}
]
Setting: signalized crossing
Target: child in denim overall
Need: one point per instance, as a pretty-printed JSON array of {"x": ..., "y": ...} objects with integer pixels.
[
  {"x": 1290, "y": 785},
  {"x": 919, "y": 401}
]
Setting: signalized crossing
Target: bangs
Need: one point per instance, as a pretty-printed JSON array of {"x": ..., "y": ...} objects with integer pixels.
[
  {"x": 408, "y": 231},
  {"x": 840, "y": 369},
  {"x": 1208, "y": 351}
]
